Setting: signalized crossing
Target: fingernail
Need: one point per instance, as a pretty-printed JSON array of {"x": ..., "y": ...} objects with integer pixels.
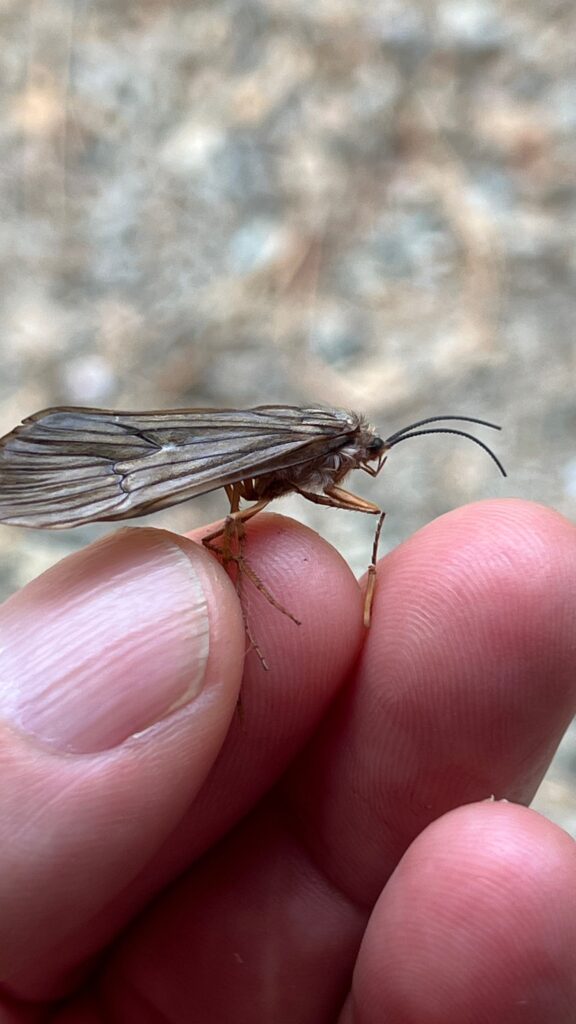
[{"x": 106, "y": 643}]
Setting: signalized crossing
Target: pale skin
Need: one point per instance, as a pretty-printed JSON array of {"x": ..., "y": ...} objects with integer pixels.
[{"x": 331, "y": 854}]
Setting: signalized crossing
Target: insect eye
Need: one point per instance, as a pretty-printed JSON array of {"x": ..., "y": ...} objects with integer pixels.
[{"x": 375, "y": 446}]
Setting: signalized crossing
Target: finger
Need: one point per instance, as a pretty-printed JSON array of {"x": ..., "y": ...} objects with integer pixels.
[
  {"x": 120, "y": 672},
  {"x": 478, "y": 923},
  {"x": 280, "y": 708},
  {"x": 466, "y": 684}
]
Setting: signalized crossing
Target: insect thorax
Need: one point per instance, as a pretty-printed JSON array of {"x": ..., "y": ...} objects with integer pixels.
[{"x": 320, "y": 472}]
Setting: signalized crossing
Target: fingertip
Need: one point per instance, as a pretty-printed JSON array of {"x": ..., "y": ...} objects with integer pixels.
[
  {"x": 312, "y": 582},
  {"x": 473, "y": 631},
  {"x": 485, "y": 543},
  {"x": 477, "y": 923}
]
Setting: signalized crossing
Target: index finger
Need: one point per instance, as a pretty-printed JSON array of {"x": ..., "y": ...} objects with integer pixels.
[{"x": 463, "y": 691}]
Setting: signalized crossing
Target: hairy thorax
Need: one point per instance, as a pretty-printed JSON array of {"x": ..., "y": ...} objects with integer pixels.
[{"x": 317, "y": 474}]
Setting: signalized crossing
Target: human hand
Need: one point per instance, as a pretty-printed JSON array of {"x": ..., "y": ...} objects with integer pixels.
[{"x": 329, "y": 852}]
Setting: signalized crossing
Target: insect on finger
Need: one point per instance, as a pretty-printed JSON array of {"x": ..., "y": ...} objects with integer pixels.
[{"x": 66, "y": 466}]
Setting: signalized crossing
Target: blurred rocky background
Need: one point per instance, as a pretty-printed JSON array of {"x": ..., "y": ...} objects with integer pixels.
[{"x": 237, "y": 202}]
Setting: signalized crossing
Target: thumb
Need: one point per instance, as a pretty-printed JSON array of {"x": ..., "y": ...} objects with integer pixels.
[{"x": 119, "y": 673}]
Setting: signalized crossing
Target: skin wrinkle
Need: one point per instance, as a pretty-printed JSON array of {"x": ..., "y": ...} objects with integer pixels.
[
  {"x": 101, "y": 619},
  {"x": 298, "y": 832},
  {"x": 36, "y": 833}
]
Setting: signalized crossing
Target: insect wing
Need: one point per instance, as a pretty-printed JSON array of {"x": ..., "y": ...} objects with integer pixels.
[{"x": 67, "y": 466}]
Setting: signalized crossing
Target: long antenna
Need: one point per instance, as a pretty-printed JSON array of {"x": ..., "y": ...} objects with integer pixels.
[{"x": 413, "y": 431}]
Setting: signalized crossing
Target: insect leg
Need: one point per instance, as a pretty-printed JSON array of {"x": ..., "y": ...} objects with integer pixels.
[
  {"x": 337, "y": 497},
  {"x": 232, "y": 525},
  {"x": 371, "y": 581},
  {"x": 232, "y": 533}
]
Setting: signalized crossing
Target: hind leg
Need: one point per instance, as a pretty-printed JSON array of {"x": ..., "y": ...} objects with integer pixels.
[{"x": 232, "y": 551}]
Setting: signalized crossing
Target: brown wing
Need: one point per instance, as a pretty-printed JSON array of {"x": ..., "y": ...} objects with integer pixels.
[{"x": 67, "y": 466}]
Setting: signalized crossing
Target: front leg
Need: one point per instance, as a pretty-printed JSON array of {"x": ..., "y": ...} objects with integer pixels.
[{"x": 337, "y": 497}]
